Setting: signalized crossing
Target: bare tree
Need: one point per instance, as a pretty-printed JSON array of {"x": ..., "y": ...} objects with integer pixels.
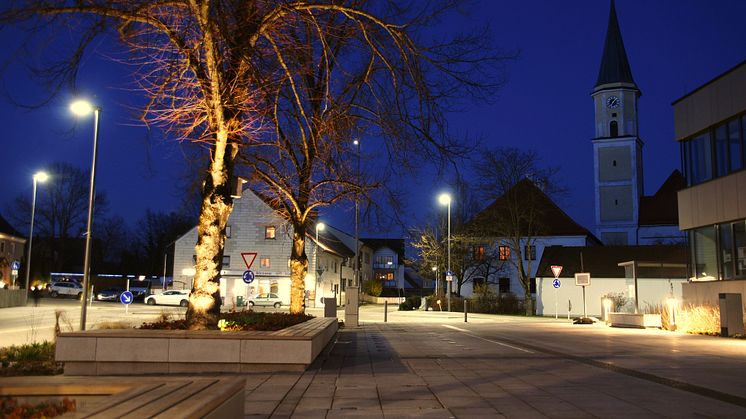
[
  {"x": 257, "y": 75},
  {"x": 519, "y": 186}
]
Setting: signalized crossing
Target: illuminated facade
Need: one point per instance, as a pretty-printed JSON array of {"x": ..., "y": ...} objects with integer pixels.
[{"x": 710, "y": 126}]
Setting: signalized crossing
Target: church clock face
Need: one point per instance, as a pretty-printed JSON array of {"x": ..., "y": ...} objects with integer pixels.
[{"x": 612, "y": 102}]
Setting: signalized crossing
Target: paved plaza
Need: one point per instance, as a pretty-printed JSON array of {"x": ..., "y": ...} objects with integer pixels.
[{"x": 435, "y": 365}]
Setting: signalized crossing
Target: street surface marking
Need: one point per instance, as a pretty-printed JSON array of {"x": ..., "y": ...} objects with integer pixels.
[{"x": 466, "y": 332}]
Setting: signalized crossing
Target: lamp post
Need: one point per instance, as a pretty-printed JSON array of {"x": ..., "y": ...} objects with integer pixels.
[
  {"x": 435, "y": 271},
  {"x": 357, "y": 218},
  {"x": 319, "y": 227},
  {"x": 445, "y": 199},
  {"x": 38, "y": 177},
  {"x": 83, "y": 108}
]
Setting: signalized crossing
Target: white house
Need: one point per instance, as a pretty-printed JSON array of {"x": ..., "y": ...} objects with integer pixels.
[
  {"x": 551, "y": 227},
  {"x": 386, "y": 259},
  {"x": 257, "y": 239}
]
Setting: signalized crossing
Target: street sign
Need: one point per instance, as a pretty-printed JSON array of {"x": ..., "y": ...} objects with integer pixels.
[
  {"x": 126, "y": 298},
  {"x": 248, "y": 277},
  {"x": 556, "y": 270},
  {"x": 15, "y": 265},
  {"x": 14, "y": 272},
  {"x": 556, "y": 283},
  {"x": 449, "y": 276},
  {"x": 582, "y": 279}
]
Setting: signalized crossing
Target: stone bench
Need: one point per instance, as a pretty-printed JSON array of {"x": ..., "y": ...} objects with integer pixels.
[
  {"x": 163, "y": 397},
  {"x": 641, "y": 321},
  {"x": 137, "y": 352}
]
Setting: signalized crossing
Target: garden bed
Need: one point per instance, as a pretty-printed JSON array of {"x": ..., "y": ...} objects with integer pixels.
[{"x": 137, "y": 352}]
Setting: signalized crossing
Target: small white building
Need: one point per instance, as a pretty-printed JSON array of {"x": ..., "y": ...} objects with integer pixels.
[
  {"x": 259, "y": 240},
  {"x": 660, "y": 271}
]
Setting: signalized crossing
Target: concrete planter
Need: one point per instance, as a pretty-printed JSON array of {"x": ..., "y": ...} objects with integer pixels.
[
  {"x": 641, "y": 321},
  {"x": 136, "y": 352}
]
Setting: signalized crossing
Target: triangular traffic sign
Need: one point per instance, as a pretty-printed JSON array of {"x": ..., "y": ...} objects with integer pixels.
[{"x": 556, "y": 270}]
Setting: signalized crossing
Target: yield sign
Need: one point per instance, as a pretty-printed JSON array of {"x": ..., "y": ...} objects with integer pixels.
[
  {"x": 248, "y": 258},
  {"x": 556, "y": 270}
]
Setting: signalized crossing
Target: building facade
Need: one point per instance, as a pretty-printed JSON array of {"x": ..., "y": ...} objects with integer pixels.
[
  {"x": 710, "y": 126},
  {"x": 11, "y": 250},
  {"x": 257, "y": 239}
]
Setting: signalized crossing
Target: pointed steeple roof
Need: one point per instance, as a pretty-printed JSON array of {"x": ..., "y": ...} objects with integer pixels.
[{"x": 614, "y": 64}]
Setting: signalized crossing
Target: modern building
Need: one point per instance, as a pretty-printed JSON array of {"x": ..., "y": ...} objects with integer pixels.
[
  {"x": 624, "y": 215},
  {"x": 386, "y": 260},
  {"x": 11, "y": 251},
  {"x": 259, "y": 240},
  {"x": 710, "y": 126}
]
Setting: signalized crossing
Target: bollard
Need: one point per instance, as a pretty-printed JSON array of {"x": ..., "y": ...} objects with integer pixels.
[
  {"x": 466, "y": 310},
  {"x": 385, "y": 311}
]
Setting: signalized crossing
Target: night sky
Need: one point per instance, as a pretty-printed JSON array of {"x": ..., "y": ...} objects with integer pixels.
[{"x": 673, "y": 47}]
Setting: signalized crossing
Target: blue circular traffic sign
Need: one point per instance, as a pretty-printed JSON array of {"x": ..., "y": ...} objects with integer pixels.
[
  {"x": 126, "y": 298},
  {"x": 15, "y": 265},
  {"x": 248, "y": 277},
  {"x": 556, "y": 283}
]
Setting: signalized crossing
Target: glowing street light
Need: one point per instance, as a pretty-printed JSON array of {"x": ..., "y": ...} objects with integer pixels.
[
  {"x": 38, "y": 177},
  {"x": 83, "y": 108},
  {"x": 445, "y": 199}
]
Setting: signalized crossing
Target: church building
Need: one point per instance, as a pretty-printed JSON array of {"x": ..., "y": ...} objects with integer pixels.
[{"x": 624, "y": 215}]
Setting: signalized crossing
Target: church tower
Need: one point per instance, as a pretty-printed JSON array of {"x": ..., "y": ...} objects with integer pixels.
[{"x": 617, "y": 147}]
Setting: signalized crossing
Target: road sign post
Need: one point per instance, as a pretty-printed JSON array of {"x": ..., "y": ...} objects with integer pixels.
[
  {"x": 583, "y": 279},
  {"x": 248, "y": 277},
  {"x": 449, "y": 280},
  {"x": 126, "y": 298},
  {"x": 556, "y": 270}
]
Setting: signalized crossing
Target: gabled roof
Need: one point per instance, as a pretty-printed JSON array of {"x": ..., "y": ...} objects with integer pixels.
[
  {"x": 614, "y": 63},
  {"x": 397, "y": 245},
  {"x": 7, "y": 229},
  {"x": 330, "y": 243},
  {"x": 602, "y": 261},
  {"x": 549, "y": 220},
  {"x": 663, "y": 208}
]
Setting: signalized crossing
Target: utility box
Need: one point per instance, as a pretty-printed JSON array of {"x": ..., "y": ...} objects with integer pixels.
[
  {"x": 352, "y": 307},
  {"x": 731, "y": 314},
  {"x": 239, "y": 301},
  {"x": 330, "y": 307}
]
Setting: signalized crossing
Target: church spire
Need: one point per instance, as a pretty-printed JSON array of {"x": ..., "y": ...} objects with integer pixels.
[{"x": 614, "y": 63}]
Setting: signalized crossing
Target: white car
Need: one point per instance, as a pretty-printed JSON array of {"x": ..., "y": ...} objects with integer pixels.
[
  {"x": 266, "y": 299},
  {"x": 170, "y": 297},
  {"x": 66, "y": 288}
]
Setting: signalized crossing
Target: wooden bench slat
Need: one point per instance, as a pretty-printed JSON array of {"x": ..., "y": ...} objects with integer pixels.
[
  {"x": 164, "y": 403},
  {"x": 206, "y": 400},
  {"x": 132, "y": 404},
  {"x": 115, "y": 399}
]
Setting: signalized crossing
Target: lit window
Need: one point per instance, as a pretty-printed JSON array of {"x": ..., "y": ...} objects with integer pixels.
[
  {"x": 504, "y": 252},
  {"x": 264, "y": 262},
  {"x": 479, "y": 252},
  {"x": 269, "y": 232}
]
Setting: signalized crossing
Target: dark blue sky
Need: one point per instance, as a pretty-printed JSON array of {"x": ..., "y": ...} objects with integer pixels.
[{"x": 673, "y": 47}]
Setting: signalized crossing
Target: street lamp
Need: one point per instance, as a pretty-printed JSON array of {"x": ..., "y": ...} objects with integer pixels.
[
  {"x": 38, "y": 177},
  {"x": 84, "y": 108},
  {"x": 357, "y": 218},
  {"x": 445, "y": 199},
  {"x": 435, "y": 272}
]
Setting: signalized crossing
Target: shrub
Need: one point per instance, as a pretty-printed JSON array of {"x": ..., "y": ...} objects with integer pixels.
[
  {"x": 30, "y": 359},
  {"x": 11, "y": 408},
  {"x": 373, "y": 288},
  {"x": 239, "y": 320},
  {"x": 701, "y": 320},
  {"x": 411, "y": 303},
  {"x": 618, "y": 300}
]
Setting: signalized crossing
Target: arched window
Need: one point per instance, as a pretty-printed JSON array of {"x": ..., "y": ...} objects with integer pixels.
[{"x": 613, "y": 129}]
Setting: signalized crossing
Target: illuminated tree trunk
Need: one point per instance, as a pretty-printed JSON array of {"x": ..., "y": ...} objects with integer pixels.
[
  {"x": 298, "y": 270},
  {"x": 217, "y": 204}
]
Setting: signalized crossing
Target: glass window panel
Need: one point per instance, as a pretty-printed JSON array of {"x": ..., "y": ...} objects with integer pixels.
[
  {"x": 705, "y": 253},
  {"x": 700, "y": 159},
  {"x": 726, "y": 251},
  {"x": 721, "y": 150},
  {"x": 739, "y": 236},
  {"x": 734, "y": 140}
]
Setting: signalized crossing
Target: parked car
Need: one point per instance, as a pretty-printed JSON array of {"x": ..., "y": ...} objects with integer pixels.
[
  {"x": 170, "y": 297},
  {"x": 109, "y": 294},
  {"x": 66, "y": 289},
  {"x": 266, "y": 299}
]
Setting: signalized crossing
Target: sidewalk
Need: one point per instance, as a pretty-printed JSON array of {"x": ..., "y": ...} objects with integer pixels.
[{"x": 406, "y": 370}]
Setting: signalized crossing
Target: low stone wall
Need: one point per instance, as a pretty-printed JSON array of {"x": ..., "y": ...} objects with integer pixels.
[
  {"x": 635, "y": 320},
  {"x": 380, "y": 300},
  {"x": 11, "y": 298},
  {"x": 705, "y": 293},
  {"x": 135, "y": 352}
]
